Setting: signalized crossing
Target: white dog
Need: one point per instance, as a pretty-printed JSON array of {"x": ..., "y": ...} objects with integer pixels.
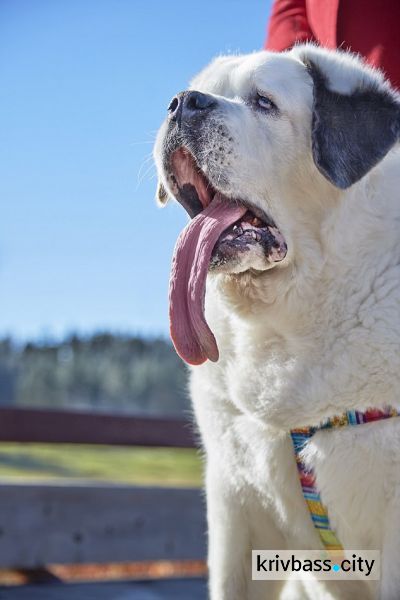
[{"x": 289, "y": 162}]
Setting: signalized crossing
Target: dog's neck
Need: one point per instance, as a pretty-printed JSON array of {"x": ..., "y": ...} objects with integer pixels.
[{"x": 314, "y": 319}]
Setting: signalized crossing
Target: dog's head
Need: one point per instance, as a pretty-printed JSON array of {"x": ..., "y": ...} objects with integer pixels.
[{"x": 258, "y": 150}]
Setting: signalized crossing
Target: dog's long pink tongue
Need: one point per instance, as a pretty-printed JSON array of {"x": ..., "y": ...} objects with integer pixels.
[{"x": 192, "y": 338}]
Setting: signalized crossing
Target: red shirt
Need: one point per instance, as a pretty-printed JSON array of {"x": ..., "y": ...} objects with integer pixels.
[{"x": 364, "y": 26}]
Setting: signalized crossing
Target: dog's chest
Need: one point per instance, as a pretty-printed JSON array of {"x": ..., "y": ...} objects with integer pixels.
[
  {"x": 357, "y": 468},
  {"x": 355, "y": 473}
]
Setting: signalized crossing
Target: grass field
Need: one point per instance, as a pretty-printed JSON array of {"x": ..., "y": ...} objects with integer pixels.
[{"x": 148, "y": 466}]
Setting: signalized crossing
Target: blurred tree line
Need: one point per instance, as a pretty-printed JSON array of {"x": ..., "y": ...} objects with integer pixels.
[{"x": 101, "y": 372}]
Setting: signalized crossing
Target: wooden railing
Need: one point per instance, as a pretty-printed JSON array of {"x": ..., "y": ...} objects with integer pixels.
[
  {"x": 81, "y": 427},
  {"x": 83, "y": 523}
]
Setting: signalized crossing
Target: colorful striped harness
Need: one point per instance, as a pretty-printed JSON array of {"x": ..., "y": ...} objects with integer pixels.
[{"x": 300, "y": 437}]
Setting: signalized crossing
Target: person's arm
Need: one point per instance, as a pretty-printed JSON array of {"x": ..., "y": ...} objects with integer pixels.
[{"x": 288, "y": 24}]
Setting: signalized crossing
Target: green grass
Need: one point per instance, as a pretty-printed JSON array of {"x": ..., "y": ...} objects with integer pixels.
[{"x": 147, "y": 466}]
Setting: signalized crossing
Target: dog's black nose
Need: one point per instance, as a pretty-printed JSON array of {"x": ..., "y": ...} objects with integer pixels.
[
  {"x": 197, "y": 101},
  {"x": 189, "y": 104}
]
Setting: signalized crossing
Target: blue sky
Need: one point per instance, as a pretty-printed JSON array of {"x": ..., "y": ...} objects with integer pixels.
[{"x": 84, "y": 87}]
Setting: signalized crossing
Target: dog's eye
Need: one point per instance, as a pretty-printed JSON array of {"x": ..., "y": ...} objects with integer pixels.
[{"x": 265, "y": 103}]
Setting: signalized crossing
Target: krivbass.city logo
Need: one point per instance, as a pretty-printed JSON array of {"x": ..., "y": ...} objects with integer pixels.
[{"x": 316, "y": 564}]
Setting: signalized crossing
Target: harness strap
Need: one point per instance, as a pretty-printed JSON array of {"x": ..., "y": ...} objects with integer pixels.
[{"x": 300, "y": 437}]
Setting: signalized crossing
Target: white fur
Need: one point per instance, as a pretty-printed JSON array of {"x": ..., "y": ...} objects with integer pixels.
[{"x": 314, "y": 336}]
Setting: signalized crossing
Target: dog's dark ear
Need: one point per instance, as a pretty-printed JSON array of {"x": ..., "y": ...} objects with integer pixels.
[{"x": 351, "y": 133}]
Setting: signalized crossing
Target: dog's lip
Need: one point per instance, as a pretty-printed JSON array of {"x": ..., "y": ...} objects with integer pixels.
[
  {"x": 190, "y": 185},
  {"x": 195, "y": 191}
]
